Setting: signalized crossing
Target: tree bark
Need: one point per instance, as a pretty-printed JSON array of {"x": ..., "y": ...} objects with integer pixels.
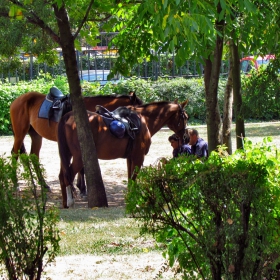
[
  {"x": 211, "y": 80},
  {"x": 96, "y": 190},
  {"x": 227, "y": 110},
  {"x": 237, "y": 98}
]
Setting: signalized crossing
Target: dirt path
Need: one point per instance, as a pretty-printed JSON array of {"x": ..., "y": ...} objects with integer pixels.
[{"x": 114, "y": 172}]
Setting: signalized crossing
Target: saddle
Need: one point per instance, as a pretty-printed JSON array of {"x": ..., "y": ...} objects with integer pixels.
[
  {"x": 55, "y": 105},
  {"x": 129, "y": 119}
]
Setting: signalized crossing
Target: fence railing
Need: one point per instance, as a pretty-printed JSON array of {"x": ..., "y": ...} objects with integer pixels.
[{"x": 94, "y": 64}]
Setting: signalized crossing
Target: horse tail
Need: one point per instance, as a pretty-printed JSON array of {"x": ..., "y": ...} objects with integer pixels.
[{"x": 63, "y": 148}]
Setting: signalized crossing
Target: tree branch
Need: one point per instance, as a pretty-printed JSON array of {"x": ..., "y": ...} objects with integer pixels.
[
  {"x": 84, "y": 19},
  {"x": 36, "y": 20}
]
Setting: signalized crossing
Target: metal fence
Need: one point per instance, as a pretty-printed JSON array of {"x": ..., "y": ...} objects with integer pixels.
[{"x": 94, "y": 64}]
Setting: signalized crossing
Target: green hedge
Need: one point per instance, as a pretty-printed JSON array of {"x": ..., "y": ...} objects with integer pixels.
[
  {"x": 147, "y": 90},
  {"x": 260, "y": 103}
]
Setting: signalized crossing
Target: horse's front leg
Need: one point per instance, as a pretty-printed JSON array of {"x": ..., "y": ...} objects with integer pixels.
[
  {"x": 133, "y": 166},
  {"x": 67, "y": 189},
  {"x": 63, "y": 189},
  {"x": 36, "y": 144},
  {"x": 81, "y": 184}
]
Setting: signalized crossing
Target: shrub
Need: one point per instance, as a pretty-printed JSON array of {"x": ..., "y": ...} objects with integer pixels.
[
  {"x": 219, "y": 218},
  {"x": 29, "y": 237},
  {"x": 163, "y": 89},
  {"x": 261, "y": 94}
]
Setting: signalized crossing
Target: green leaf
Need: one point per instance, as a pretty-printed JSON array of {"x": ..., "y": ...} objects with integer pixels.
[
  {"x": 249, "y": 6},
  {"x": 165, "y": 3}
]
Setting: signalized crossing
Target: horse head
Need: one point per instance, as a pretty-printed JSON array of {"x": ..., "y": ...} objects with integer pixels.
[
  {"x": 135, "y": 100},
  {"x": 178, "y": 121}
]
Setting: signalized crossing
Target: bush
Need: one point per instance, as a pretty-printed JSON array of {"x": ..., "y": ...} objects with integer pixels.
[
  {"x": 261, "y": 94},
  {"x": 163, "y": 89},
  {"x": 262, "y": 103},
  {"x": 175, "y": 89},
  {"x": 219, "y": 218},
  {"x": 29, "y": 237}
]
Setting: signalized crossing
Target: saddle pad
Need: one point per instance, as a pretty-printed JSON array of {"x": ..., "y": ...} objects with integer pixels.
[{"x": 44, "y": 109}]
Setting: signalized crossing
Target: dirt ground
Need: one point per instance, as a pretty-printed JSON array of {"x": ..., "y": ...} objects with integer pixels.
[
  {"x": 142, "y": 266},
  {"x": 113, "y": 172}
]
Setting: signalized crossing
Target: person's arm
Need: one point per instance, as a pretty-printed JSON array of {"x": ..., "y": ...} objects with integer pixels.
[
  {"x": 185, "y": 149},
  {"x": 205, "y": 150}
]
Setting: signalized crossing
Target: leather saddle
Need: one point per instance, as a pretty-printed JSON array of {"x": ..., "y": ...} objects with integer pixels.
[
  {"x": 55, "y": 105},
  {"x": 128, "y": 118}
]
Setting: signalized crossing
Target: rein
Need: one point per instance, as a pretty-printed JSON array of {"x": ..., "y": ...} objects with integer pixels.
[{"x": 183, "y": 117}]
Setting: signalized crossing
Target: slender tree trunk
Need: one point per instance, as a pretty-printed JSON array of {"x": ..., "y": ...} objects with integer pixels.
[
  {"x": 237, "y": 98},
  {"x": 211, "y": 80},
  {"x": 96, "y": 191},
  {"x": 227, "y": 110}
]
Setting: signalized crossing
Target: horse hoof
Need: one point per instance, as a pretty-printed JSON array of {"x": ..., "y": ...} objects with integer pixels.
[
  {"x": 83, "y": 194},
  {"x": 70, "y": 203},
  {"x": 48, "y": 188}
]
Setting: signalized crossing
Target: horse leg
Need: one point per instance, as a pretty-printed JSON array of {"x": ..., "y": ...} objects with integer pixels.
[
  {"x": 63, "y": 189},
  {"x": 36, "y": 144},
  {"x": 66, "y": 183},
  {"x": 81, "y": 184},
  {"x": 132, "y": 163},
  {"x": 18, "y": 146}
]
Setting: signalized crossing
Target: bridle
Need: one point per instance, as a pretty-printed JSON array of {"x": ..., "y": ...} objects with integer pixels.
[{"x": 184, "y": 117}]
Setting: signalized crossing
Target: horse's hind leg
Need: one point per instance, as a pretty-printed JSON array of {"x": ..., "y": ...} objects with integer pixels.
[{"x": 20, "y": 124}]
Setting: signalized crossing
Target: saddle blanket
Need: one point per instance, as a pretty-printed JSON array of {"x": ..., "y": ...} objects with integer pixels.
[{"x": 44, "y": 109}]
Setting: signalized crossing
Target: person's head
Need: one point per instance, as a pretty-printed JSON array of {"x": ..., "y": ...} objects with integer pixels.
[
  {"x": 174, "y": 141},
  {"x": 193, "y": 134}
]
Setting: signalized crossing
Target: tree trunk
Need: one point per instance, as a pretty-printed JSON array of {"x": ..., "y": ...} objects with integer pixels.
[
  {"x": 227, "y": 111},
  {"x": 211, "y": 80},
  {"x": 96, "y": 191},
  {"x": 237, "y": 98}
]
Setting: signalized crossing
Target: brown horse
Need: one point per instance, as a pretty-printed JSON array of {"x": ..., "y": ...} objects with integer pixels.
[
  {"x": 24, "y": 118},
  {"x": 153, "y": 117}
]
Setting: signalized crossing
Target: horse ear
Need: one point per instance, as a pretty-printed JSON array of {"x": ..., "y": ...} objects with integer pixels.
[
  {"x": 184, "y": 104},
  {"x": 176, "y": 101},
  {"x": 132, "y": 96}
]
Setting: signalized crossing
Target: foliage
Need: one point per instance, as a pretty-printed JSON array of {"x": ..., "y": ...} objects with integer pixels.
[
  {"x": 261, "y": 93},
  {"x": 147, "y": 90},
  {"x": 218, "y": 217},
  {"x": 29, "y": 236},
  {"x": 162, "y": 89}
]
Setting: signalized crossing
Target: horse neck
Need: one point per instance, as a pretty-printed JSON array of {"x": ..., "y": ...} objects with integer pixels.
[
  {"x": 110, "y": 102},
  {"x": 157, "y": 116}
]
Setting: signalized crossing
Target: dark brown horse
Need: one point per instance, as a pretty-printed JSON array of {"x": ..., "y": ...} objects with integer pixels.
[
  {"x": 24, "y": 118},
  {"x": 153, "y": 117}
]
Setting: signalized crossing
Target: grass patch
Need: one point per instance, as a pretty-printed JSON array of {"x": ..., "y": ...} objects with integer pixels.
[{"x": 101, "y": 231}]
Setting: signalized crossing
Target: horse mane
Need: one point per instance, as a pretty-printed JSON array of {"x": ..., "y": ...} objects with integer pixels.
[
  {"x": 155, "y": 103},
  {"x": 112, "y": 96}
]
